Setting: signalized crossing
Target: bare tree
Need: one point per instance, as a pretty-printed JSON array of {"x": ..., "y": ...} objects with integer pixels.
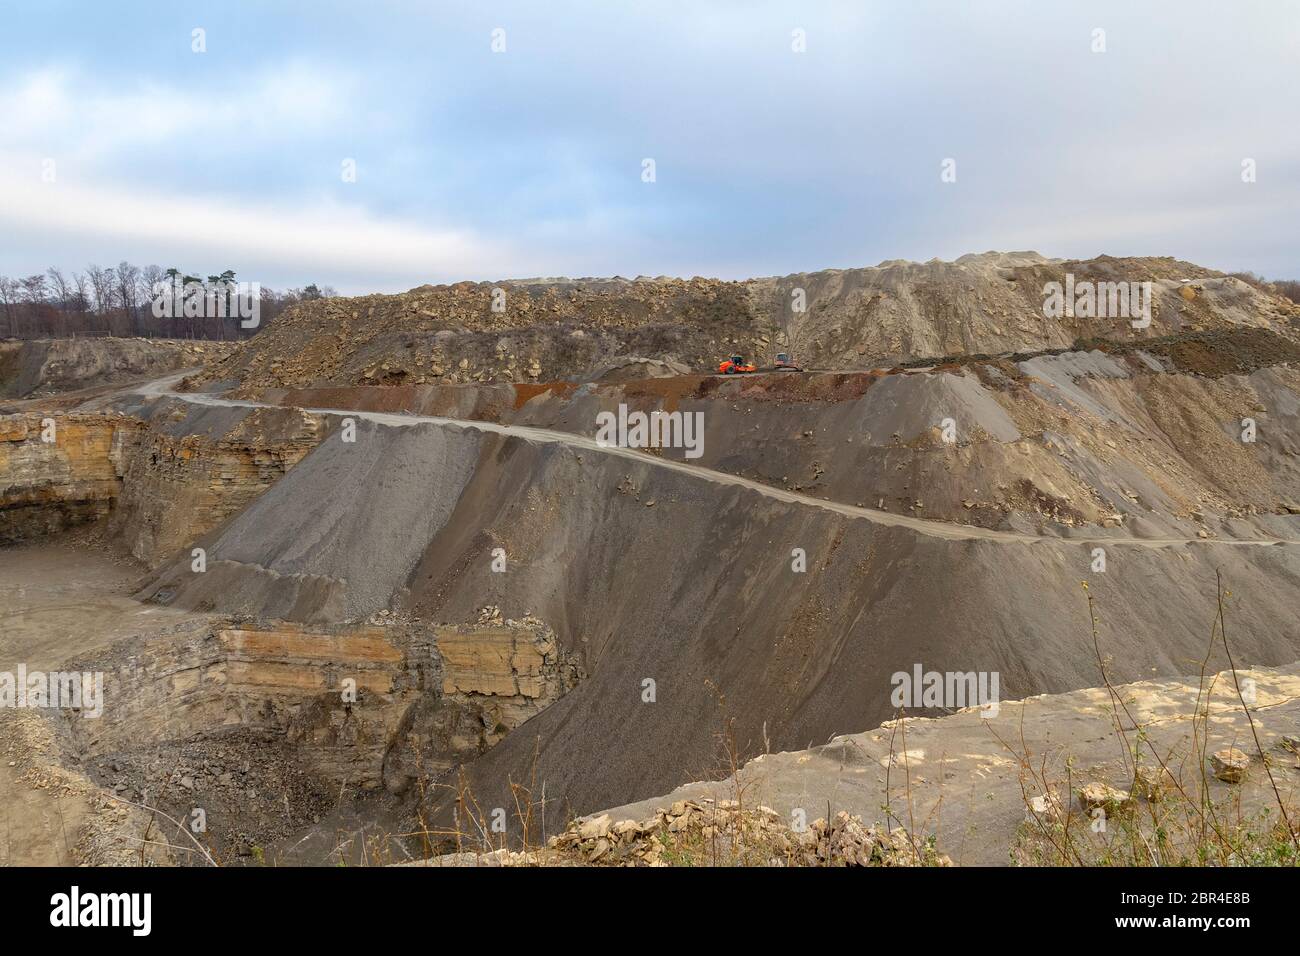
[
  {"x": 33, "y": 295},
  {"x": 101, "y": 283},
  {"x": 8, "y": 300},
  {"x": 59, "y": 288},
  {"x": 60, "y": 296},
  {"x": 119, "y": 300},
  {"x": 80, "y": 294},
  {"x": 149, "y": 278},
  {"x": 34, "y": 289},
  {"x": 1289, "y": 288},
  {"x": 127, "y": 277}
]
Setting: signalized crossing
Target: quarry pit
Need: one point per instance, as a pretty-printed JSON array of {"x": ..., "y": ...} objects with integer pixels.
[{"x": 350, "y": 619}]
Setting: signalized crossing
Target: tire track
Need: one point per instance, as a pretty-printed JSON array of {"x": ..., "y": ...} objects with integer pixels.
[{"x": 162, "y": 388}]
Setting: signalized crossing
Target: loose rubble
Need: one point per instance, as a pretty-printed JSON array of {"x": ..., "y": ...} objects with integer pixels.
[{"x": 722, "y": 833}]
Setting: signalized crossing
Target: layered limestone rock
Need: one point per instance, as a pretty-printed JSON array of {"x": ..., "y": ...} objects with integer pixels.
[
  {"x": 515, "y": 666},
  {"x": 363, "y": 705},
  {"x": 495, "y": 675},
  {"x": 163, "y": 487},
  {"x": 179, "y": 487},
  {"x": 57, "y": 471}
]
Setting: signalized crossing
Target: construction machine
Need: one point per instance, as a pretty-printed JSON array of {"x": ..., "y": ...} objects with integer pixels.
[
  {"x": 783, "y": 361},
  {"x": 735, "y": 365}
]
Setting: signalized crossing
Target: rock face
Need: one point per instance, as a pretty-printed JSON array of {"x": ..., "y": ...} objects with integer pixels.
[
  {"x": 59, "y": 471},
  {"x": 165, "y": 483},
  {"x": 362, "y": 705},
  {"x": 517, "y": 664},
  {"x": 553, "y": 329},
  {"x": 189, "y": 472},
  {"x": 494, "y": 677}
]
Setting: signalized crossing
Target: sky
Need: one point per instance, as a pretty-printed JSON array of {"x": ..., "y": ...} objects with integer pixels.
[{"x": 495, "y": 140}]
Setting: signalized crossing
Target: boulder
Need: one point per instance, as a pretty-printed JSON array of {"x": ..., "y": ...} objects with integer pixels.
[{"x": 1230, "y": 765}]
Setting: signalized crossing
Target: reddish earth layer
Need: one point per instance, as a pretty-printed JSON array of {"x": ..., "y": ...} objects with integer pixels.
[{"x": 1043, "y": 444}]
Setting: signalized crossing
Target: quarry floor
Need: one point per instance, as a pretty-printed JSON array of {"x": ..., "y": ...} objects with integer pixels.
[
  {"x": 59, "y": 599},
  {"x": 66, "y": 597}
]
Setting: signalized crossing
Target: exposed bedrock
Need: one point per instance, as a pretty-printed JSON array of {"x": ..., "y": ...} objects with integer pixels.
[
  {"x": 59, "y": 471},
  {"x": 362, "y": 706},
  {"x": 193, "y": 467},
  {"x": 703, "y": 600},
  {"x": 165, "y": 478}
]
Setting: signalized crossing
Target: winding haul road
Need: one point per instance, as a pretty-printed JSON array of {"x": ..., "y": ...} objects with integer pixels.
[{"x": 163, "y": 388}]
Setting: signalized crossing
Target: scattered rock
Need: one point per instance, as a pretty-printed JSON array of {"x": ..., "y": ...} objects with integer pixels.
[
  {"x": 1153, "y": 783},
  {"x": 704, "y": 832},
  {"x": 1045, "y": 807},
  {"x": 1097, "y": 795},
  {"x": 1230, "y": 765},
  {"x": 594, "y": 828}
]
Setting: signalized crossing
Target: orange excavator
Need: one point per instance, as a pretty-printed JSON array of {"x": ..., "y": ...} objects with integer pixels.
[{"x": 735, "y": 365}]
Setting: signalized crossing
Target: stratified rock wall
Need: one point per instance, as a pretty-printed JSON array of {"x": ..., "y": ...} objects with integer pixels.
[
  {"x": 180, "y": 486},
  {"x": 59, "y": 471},
  {"x": 363, "y": 705}
]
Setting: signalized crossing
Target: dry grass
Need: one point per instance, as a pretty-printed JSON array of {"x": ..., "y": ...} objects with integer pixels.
[{"x": 1165, "y": 821}]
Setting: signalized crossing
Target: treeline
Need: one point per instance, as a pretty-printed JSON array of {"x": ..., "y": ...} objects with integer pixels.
[{"x": 119, "y": 301}]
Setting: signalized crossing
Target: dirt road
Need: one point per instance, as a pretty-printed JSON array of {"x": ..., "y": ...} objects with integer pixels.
[{"x": 163, "y": 387}]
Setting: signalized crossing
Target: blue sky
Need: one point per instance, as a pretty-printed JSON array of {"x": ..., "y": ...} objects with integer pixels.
[{"x": 483, "y": 165}]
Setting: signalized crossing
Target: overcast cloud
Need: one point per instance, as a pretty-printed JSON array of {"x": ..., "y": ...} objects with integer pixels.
[{"x": 482, "y": 165}]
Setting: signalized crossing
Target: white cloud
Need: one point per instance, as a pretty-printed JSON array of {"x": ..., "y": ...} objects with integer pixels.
[
  {"x": 329, "y": 239},
  {"x": 484, "y": 166},
  {"x": 92, "y": 213},
  {"x": 58, "y": 111}
]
